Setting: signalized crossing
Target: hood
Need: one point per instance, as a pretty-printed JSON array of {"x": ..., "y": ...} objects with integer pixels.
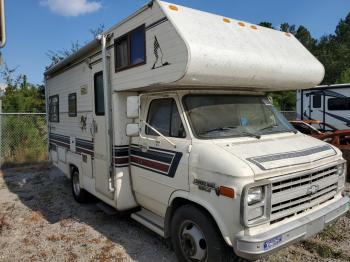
[{"x": 276, "y": 154}]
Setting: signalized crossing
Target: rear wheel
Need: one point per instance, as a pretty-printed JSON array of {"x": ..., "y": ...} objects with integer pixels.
[
  {"x": 80, "y": 195},
  {"x": 196, "y": 238}
]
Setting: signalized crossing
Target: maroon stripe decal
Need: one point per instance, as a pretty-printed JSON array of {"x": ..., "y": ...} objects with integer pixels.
[
  {"x": 60, "y": 144},
  {"x": 151, "y": 164},
  {"x": 121, "y": 161},
  {"x": 80, "y": 150}
]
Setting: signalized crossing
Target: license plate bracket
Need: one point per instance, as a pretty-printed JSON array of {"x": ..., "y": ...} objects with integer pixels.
[{"x": 272, "y": 243}]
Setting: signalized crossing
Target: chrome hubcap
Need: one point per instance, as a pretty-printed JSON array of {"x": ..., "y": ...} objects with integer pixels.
[
  {"x": 76, "y": 185},
  {"x": 193, "y": 242}
]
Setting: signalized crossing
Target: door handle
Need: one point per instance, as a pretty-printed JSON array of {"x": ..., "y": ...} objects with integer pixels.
[{"x": 93, "y": 127}]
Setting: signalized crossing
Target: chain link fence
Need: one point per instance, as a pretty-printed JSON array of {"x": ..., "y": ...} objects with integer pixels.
[{"x": 23, "y": 138}]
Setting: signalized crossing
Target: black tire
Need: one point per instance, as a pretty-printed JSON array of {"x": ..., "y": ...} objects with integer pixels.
[
  {"x": 80, "y": 195},
  {"x": 184, "y": 243}
]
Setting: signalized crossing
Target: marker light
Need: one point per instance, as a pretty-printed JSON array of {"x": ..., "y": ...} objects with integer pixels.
[{"x": 173, "y": 7}]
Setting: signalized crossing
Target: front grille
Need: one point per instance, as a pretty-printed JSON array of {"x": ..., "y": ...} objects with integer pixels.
[{"x": 296, "y": 194}]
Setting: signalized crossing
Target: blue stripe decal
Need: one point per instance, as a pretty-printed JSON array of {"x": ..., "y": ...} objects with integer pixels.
[
  {"x": 260, "y": 160},
  {"x": 154, "y": 155},
  {"x": 161, "y": 161}
]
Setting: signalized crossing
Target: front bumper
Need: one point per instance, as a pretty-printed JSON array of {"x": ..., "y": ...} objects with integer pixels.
[{"x": 257, "y": 246}]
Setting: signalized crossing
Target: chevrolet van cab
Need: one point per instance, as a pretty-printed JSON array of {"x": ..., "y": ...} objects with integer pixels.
[{"x": 166, "y": 114}]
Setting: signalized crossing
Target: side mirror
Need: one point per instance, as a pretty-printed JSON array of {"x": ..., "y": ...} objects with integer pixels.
[
  {"x": 132, "y": 107},
  {"x": 132, "y": 130}
]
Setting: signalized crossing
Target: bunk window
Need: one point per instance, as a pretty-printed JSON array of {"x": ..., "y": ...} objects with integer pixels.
[
  {"x": 130, "y": 49},
  {"x": 99, "y": 94},
  {"x": 54, "y": 108},
  {"x": 339, "y": 103},
  {"x": 164, "y": 116},
  {"x": 316, "y": 101},
  {"x": 72, "y": 104}
]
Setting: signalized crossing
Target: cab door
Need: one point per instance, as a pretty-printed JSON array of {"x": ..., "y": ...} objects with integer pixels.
[
  {"x": 158, "y": 167},
  {"x": 100, "y": 163}
]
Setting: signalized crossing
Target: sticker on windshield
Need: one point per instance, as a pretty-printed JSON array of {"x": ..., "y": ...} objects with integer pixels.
[{"x": 267, "y": 101}]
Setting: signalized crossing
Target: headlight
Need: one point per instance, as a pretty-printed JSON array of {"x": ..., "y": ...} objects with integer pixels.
[
  {"x": 340, "y": 169},
  {"x": 255, "y": 195},
  {"x": 256, "y": 203}
]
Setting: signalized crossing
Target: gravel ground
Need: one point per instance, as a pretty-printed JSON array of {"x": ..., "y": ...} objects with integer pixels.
[{"x": 40, "y": 221}]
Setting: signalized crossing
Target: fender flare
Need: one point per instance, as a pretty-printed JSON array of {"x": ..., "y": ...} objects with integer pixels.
[{"x": 207, "y": 206}]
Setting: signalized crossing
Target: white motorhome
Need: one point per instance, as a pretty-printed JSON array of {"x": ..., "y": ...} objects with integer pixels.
[
  {"x": 166, "y": 112},
  {"x": 328, "y": 103}
]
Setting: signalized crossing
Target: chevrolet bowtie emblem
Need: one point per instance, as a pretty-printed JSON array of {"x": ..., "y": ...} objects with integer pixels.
[{"x": 313, "y": 189}]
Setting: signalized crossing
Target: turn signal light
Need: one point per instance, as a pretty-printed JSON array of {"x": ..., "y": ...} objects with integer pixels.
[{"x": 226, "y": 191}]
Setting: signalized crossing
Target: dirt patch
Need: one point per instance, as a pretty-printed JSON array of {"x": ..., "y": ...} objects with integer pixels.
[{"x": 40, "y": 221}]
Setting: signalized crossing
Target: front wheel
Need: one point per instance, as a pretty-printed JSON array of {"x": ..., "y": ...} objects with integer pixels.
[{"x": 196, "y": 238}]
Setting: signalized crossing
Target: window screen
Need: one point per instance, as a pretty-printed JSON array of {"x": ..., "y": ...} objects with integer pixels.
[
  {"x": 130, "y": 49},
  {"x": 316, "y": 101},
  {"x": 54, "y": 108},
  {"x": 72, "y": 104},
  {"x": 99, "y": 94},
  {"x": 137, "y": 46},
  {"x": 339, "y": 103},
  {"x": 122, "y": 53},
  {"x": 164, "y": 116}
]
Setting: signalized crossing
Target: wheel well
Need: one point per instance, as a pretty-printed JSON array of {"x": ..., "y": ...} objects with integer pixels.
[
  {"x": 72, "y": 168},
  {"x": 176, "y": 204}
]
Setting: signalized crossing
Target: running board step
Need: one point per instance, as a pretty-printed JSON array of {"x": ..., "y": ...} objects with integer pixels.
[
  {"x": 107, "y": 209},
  {"x": 150, "y": 220}
]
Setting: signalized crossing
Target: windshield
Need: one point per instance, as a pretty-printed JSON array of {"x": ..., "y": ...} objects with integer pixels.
[{"x": 221, "y": 116}]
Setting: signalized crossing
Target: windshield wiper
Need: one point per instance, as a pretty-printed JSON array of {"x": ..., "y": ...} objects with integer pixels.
[
  {"x": 268, "y": 127},
  {"x": 251, "y": 134},
  {"x": 289, "y": 130},
  {"x": 279, "y": 131},
  {"x": 226, "y": 128}
]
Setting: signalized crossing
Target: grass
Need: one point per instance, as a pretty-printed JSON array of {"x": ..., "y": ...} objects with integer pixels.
[
  {"x": 23, "y": 140},
  {"x": 324, "y": 250},
  {"x": 331, "y": 233}
]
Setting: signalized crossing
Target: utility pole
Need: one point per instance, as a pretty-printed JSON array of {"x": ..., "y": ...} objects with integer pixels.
[
  {"x": 2, "y": 28},
  {"x": 2, "y": 24},
  {"x": 1, "y": 134}
]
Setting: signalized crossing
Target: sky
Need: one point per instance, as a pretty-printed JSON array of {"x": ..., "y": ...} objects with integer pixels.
[{"x": 36, "y": 26}]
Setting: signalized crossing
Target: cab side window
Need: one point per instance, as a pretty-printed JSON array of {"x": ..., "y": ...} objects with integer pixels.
[{"x": 164, "y": 116}]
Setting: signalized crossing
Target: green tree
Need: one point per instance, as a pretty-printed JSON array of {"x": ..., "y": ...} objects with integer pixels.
[
  {"x": 304, "y": 36},
  {"x": 344, "y": 77},
  {"x": 285, "y": 27},
  {"x": 20, "y": 95},
  {"x": 266, "y": 24}
]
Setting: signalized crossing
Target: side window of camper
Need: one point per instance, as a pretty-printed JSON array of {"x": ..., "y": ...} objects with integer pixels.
[
  {"x": 316, "y": 101},
  {"x": 339, "y": 103},
  {"x": 54, "y": 108},
  {"x": 99, "y": 94},
  {"x": 164, "y": 116},
  {"x": 130, "y": 49},
  {"x": 72, "y": 104}
]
